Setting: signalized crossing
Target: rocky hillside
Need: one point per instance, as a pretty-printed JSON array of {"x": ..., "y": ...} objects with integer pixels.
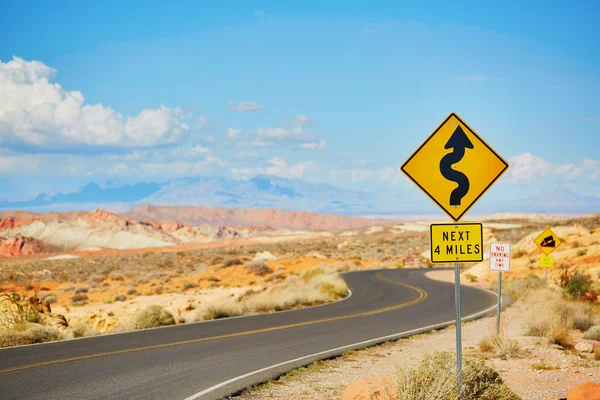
[
  {"x": 26, "y": 233},
  {"x": 246, "y": 218},
  {"x": 23, "y": 233}
]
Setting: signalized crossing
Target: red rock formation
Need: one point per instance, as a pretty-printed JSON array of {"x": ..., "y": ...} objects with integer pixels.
[
  {"x": 246, "y": 218},
  {"x": 374, "y": 388},
  {"x": 22, "y": 246},
  {"x": 12, "y": 223},
  {"x": 584, "y": 391}
]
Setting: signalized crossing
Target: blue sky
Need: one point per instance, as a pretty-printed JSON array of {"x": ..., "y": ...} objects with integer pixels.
[{"x": 334, "y": 93}]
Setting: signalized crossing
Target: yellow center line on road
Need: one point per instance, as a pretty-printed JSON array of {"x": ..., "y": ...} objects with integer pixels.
[{"x": 422, "y": 296}]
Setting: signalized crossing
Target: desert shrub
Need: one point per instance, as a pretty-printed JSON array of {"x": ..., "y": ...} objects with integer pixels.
[
  {"x": 563, "y": 338},
  {"x": 435, "y": 379},
  {"x": 275, "y": 277},
  {"x": 81, "y": 289},
  {"x": 79, "y": 298},
  {"x": 80, "y": 330},
  {"x": 596, "y": 354},
  {"x": 471, "y": 277},
  {"x": 120, "y": 297},
  {"x": 231, "y": 262},
  {"x": 67, "y": 288},
  {"x": 581, "y": 252},
  {"x": 519, "y": 253},
  {"x": 500, "y": 345},
  {"x": 223, "y": 308},
  {"x": 311, "y": 273},
  {"x": 131, "y": 291},
  {"x": 547, "y": 311},
  {"x": 332, "y": 286},
  {"x": 158, "y": 290},
  {"x": 28, "y": 333},
  {"x": 519, "y": 287},
  {"x": 16, "y": 309},
  {"x": 49, "y": 298},
  {"x": 153, "y": 317},
  {"x": 115, "y": 276},
  {"x": 189, "y": 285},
  {"x": 258, "y": 268},
  {"x": 96, "y": 279},
  {"x": 593, "y": 333},
  {"x": 575, "y": 284}
]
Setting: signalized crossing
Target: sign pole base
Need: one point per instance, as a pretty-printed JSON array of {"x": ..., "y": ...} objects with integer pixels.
[{"x": 458, "y": 330}]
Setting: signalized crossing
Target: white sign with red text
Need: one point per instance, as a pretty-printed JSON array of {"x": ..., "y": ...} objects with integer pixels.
[{"x": 500, "y": 256}]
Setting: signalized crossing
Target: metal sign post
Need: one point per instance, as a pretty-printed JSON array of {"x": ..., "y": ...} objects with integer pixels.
[
  {"x": 458, "y": 329},
  {"x": 499, "y": 301},
  {"x": 455, "y": 188}
]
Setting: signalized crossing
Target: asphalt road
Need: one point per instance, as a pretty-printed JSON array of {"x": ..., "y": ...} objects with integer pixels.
[{"x": 211, "y": 360}]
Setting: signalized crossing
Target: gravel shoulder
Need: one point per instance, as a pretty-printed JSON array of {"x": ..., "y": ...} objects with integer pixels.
[{"x": 329, "y": 378}]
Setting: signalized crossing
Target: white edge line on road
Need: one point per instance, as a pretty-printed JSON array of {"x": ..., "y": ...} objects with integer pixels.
[{"x": 354, "y": 345}]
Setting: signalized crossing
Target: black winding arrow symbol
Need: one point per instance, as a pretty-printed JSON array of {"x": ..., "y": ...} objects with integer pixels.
[{"x": 458, "y": 142}]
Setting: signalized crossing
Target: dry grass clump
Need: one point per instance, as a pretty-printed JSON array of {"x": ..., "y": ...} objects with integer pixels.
[
  {"x": 593, "y": 333},
  {"x": 258, "y": 268},
  {"x": 500, "y": 345},
  {"x": 153, "y": 317},
  {"x": 291, "y": 294},
  {"x": 16, "y": 309},
  {"x": 221, "y": 310},
  {"x": 547, "y": 311},
  {"x": 80, "y": 330},
  {"x": 435, "y": 379},
  {"x": 28, "y": 333},
  {"x": 562, "y": 338}
]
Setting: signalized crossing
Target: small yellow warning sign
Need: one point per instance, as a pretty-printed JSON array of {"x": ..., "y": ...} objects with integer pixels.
[
  {"x": 456, "y": 242},
  {"x": 547, "y": 241},
  {"x": 546, "y": 261}
]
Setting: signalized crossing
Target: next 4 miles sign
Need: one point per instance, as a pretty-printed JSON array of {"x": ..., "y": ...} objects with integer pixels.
[{"x": 456, "y": 242}]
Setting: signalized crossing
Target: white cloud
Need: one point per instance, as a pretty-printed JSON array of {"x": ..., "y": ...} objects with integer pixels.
[
  {"x": 231, "y": 132},
  {"x": 299, "y": 122},
  {"x": 320, "y": 145},
  {"x": 190, "y": 152},
  {"x": 391, "y": 175},
  {"x": 277, "y": 133},
  {"x": 471, "y": 78},
  {"x": 38, "y": 112},
  {"x": 527, "y": 167},
  {"x": 201, "y": 123},
  {"x": 278, "y": 167},
  {"x": 247, "y": 106}
]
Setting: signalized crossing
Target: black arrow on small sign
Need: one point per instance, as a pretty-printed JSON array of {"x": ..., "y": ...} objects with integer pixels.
[{"x": 458, "y": 142}]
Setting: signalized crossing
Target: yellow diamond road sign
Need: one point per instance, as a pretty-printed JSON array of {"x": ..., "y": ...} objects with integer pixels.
[
  {"x": 454, "y": 167},
  {"x": 547, "y": 241}
]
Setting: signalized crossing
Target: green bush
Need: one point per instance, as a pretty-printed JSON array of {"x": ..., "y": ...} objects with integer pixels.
[
  {"x": 153, "y": 317},
  {"x": 575, "y": 284},
  {"x": 435, "y": 379}
]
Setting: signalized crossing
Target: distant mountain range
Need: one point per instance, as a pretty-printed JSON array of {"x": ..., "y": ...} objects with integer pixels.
[{"x": 286, "y": 194}]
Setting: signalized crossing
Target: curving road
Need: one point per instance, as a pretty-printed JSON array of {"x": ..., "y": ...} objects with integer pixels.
[{"x": 211, "y": 360}]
